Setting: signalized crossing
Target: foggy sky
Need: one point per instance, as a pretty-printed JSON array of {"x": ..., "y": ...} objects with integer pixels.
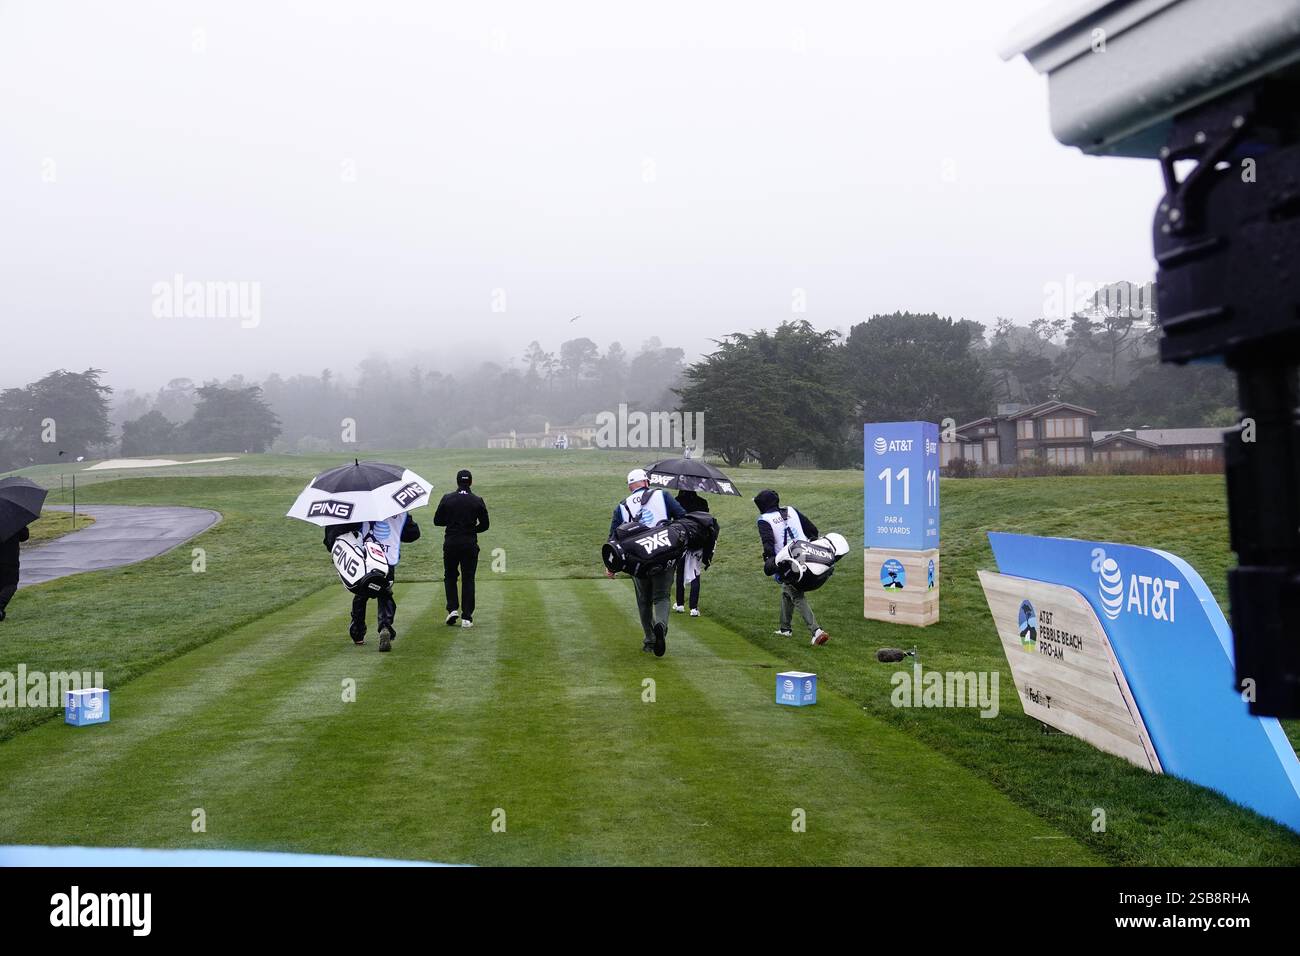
[{"x": 380, "y": 168}]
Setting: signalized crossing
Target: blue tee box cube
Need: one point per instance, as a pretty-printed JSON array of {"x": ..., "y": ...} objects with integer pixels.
[
  {"x": 796, "y": 688},
  {"x": 84, "y": 707}
]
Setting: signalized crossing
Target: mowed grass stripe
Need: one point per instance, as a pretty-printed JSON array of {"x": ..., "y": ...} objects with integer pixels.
[
  {"x": 523, "y": 775},
  {"x": 37, "y": 767},
  {"x": 342, "y": 782},
  {"x": 280, "y": 734},
  {"x": 871, "y": 794},
  {"x": 632, "y": 799}
]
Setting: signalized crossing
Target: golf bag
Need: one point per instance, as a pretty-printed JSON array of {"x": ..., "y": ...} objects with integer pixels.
[
  {"x": 807, "y": 565},
  {"x": 642, "y": 552},
  {"x": 701, "y": 533},
  {"x": 361, "y": 563}
]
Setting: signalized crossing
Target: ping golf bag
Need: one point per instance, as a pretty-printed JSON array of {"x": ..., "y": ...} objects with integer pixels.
[
  {"x": 642, "y": 552},
  {"x": 361, "y": 564},
  {"x": 807, "y": 565}
]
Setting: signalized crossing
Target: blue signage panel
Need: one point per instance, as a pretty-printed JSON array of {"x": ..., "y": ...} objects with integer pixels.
[
  {"x": 1175, "y": 648},
  {"x": 901, "y": 478}
]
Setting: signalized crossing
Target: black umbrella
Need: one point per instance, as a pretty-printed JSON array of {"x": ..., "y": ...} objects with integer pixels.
[
  {"x": 20, "y": 504},
  {"x": 358, "y": 476},
  {"x": 690, "y": 474}
]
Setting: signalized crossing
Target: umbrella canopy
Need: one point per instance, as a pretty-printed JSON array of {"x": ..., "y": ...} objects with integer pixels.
[
  {"x": 690, "y": 474},
  {"x": 20, "y": 504},
  {"x": 361, "y": 491}
]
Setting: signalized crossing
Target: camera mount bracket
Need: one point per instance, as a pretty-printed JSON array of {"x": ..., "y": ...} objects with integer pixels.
[{"x": 1227, "y": 247}]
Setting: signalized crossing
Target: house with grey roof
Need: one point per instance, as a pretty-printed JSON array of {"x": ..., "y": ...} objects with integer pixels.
[
  {"x": 1062, "y": 433},
  {"x": 1133, "y": 444}
]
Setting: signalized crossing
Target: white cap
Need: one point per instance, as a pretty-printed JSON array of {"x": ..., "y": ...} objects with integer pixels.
[{"x": 635, "y": 475}]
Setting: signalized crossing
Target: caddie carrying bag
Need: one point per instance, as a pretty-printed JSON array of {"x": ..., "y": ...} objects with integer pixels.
[
  {"x": 361, "y": 563},
  {"x": 641, "y": 551},
  {"x": 807, "y": 565}
]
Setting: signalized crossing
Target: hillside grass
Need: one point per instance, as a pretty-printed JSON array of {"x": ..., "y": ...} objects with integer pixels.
[{"x": 268, "y": 585}]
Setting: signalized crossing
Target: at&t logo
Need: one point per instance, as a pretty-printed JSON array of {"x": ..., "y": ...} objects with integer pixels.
[
  {"x": 1110, "y": 585},
  {"x": 894, "y": 444},
  {"x": 1142, "y": 594}
]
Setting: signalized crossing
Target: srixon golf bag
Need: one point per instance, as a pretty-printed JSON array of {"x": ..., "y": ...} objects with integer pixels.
[
  {"x": 362, "y": 564},
  {"x": 642, "y": 552},
  {"x": 807, "y": 565}
]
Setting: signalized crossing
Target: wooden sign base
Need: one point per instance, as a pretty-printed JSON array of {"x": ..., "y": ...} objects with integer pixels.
[
  {"x": 1065, "y": 671},
  {"x": 901, "y": 587}
]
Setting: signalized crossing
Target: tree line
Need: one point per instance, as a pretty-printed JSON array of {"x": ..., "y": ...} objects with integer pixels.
[
  {"x": 787, "y": 395},
  {"x": 383, "y": 404},
  {"x": 799, "y": 393}
]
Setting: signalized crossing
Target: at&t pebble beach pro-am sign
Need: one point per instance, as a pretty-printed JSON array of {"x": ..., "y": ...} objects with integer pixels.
[
  {"x": 901, "y": 505},
  {"x": 1126, "y": 648}
]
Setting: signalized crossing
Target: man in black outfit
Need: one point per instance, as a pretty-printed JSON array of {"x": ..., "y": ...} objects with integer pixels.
[
  {"x": 465, "y": 517},
  {"x": 9, "y": 568},
  {"x": 690, "y": 501}
]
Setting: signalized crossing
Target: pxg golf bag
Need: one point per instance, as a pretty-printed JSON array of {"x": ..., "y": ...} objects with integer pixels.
[
  {"x": 807, "y": 565},
  {"x": 643, "y": 552},
  {"x": 361, "y": 564}
]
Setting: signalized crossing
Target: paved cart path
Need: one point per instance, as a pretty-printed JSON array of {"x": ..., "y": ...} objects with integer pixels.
[{"x": 121, "y": 534}]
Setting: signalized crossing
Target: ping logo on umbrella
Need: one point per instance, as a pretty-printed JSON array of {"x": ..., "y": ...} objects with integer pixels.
[
  {"x": 409, "y": 493},
  {"x": 330, "y": 508}
]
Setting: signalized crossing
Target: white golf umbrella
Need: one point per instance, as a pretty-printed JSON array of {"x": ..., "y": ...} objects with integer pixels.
[{"x": 361, "y": 491}]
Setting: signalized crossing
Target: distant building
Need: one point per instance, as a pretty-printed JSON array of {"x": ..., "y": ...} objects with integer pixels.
[
  {"x": 561, "y": 436},
  {"x": 1194, "y": 444},
  {"x": 1059, "y": 433}
]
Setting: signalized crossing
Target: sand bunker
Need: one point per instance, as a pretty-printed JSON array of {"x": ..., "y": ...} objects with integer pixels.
[{"x": 151, "y": 462}]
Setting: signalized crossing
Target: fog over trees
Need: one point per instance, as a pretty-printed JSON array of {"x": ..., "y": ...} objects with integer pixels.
[{"x": 793, "y": 393}]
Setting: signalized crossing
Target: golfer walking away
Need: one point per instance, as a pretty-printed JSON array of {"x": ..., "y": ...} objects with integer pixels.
[
  {"x": 650, "y": 507},
  {"x": 390, "y": 534},
  {"x": 693, "y": 563},
  {"x": 9, "y": 567},
  {"x": 371, "y": 499},
  {"x": 777, "y": 527},
  {"x": 465, "y": 516}
]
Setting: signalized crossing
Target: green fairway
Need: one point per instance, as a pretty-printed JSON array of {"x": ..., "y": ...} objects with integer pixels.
[
  {"x": 228, "y": 691},
  {"x": 539, "y": 712}
]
